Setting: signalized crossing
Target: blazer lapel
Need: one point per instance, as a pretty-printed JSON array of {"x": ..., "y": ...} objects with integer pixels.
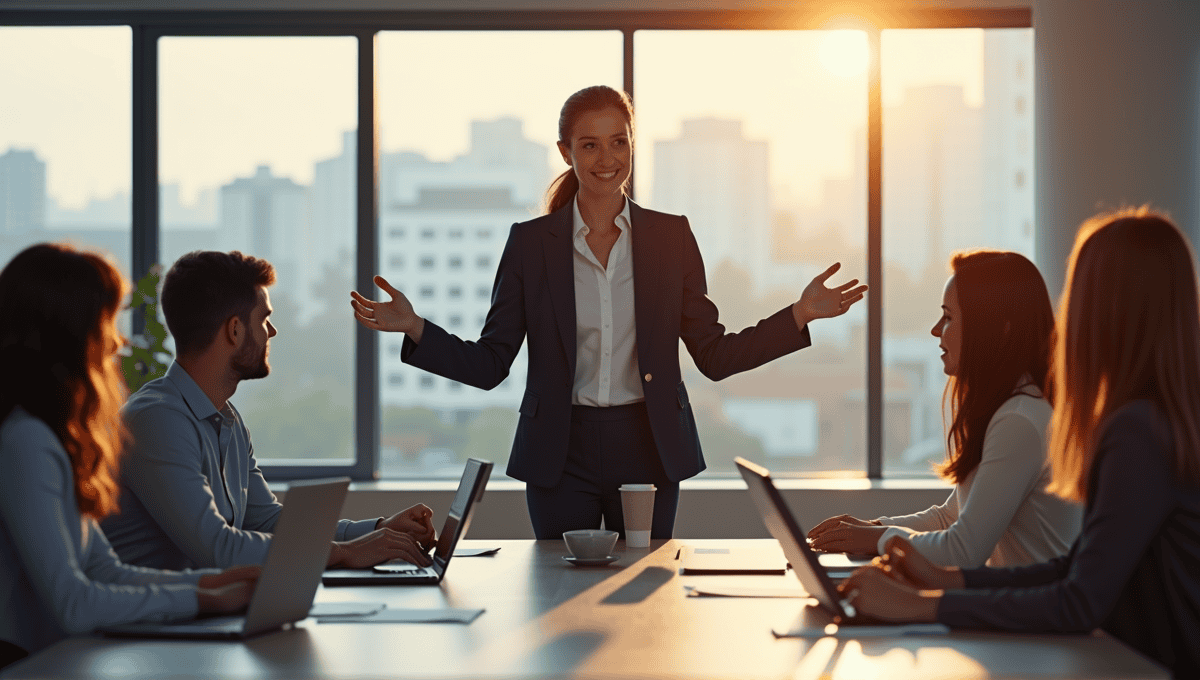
[
  {"x": 645, "y": 273},
  {"x": 560, "y": 277}
]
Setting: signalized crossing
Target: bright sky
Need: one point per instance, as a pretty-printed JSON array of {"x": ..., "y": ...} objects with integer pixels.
[{"x": 229, "y": 104}]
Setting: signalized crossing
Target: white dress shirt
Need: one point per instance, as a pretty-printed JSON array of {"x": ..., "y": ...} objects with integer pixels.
[
  {"x": 1001, "y": 514},
  {"x": 606, "y": 370}
]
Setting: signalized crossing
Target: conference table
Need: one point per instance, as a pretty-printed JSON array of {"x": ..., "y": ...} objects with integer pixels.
[{"x": 545, "y": 618}]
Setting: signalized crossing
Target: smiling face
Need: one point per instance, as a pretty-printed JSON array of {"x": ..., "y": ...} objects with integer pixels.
[
  {"x": 949, "y": 329},
  {"x": 600, "y": 152}
]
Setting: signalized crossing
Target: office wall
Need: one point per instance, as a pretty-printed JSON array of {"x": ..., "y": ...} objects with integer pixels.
[{"x": 1118, "y": 115}]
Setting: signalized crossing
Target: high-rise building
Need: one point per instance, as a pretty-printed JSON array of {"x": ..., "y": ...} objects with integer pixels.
[
  {"x": 22, "y": 192},
  {"x": 268, "y": 216},
  {"x": 443, "y": 228},
  {"x": 1008, "y": 146},
  {"x": 721, "y": 181},
  {"x": 932, "y": 179},
  {"x": 334, "y": 209}
]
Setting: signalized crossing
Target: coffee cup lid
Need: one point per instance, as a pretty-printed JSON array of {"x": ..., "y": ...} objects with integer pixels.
[{"x": 637, "y": 487}]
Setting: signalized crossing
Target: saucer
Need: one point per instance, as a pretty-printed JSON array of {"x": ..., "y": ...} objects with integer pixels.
[{"x": 592, "y": 562}]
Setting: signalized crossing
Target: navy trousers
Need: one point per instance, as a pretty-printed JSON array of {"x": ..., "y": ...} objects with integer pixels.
[{"x": 608, "y": 447}]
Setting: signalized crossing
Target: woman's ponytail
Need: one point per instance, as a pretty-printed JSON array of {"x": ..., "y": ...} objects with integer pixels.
[{"x": 561, "y": 191}]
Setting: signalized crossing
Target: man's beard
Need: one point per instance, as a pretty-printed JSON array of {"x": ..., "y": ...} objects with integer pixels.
[{"x": 250, "y": 362}]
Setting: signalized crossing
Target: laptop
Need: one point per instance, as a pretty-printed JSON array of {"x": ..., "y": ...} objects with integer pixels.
[
  {"x": 832, "y": 607},
  {"x": 284, "y": 594},
  {"x": 470, "y": 491}
]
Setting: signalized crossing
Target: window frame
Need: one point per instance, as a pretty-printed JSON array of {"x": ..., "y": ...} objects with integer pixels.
[{"x": 148, "y": 26}]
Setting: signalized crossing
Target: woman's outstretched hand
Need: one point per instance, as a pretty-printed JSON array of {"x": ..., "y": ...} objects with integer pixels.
[
  {"x": 819, "y": 302},
  {"x": 396, "y": 316}
]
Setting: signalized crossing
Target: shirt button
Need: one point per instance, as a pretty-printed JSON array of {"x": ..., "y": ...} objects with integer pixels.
[{"x": 648, "y": 377}]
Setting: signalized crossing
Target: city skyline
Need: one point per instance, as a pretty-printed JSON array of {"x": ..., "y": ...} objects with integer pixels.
[
  {"x": 89, "y": 71},
  {"x": 957, "y": 172}
]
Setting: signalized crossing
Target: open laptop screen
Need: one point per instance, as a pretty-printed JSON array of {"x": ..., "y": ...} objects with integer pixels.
[
  {"x": 783, "y": 526},
  {"x": 470, "y": 487}
]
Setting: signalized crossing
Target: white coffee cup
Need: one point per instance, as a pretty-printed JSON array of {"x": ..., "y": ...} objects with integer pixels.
[{"x": 637, "y": 504}]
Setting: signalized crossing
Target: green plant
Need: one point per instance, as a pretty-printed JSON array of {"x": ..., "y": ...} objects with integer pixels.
[{"x": 149, "y": 357}]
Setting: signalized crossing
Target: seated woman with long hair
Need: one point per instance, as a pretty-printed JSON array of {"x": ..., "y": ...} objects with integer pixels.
[
  {"x": 1125, "y": 440},
  {"x": 994, "y": 332},
  {"x": 60, "y": 439}
]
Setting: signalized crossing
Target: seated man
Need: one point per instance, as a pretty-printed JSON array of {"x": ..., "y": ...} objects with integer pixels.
[{"x": 192, "y": 495}]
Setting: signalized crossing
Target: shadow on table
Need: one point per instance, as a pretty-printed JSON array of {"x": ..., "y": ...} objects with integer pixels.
[
  {"x": 288, "y": 651},
  {"x": 640, "y": 587},
  {"x": 565, "y": 652}
]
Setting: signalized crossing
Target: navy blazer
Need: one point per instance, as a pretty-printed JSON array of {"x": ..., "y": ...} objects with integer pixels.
[{"x": 534, "y": 296}]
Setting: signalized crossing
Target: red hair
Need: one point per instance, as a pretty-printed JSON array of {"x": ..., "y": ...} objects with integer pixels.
[
  {"x": 1128, "y": 328},
  {"x": 57, "y": 360},
  {"x": 1007, "y": 325}
]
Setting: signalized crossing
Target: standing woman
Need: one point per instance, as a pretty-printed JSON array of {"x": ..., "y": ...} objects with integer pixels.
[
  {"x": 995, "y": 333},
  {"x": 60, "y": 440},
  {"x": 605, "y": 290},
  {"x": 1125, "y": 440}
]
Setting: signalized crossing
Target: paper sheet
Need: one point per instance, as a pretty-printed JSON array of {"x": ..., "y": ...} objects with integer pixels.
[
  {"x": 411, "y": 616},
  {"x": 743, "y": 591},
  {"x": 475, "y": 552},
  {"x": 323, "y": 609}
]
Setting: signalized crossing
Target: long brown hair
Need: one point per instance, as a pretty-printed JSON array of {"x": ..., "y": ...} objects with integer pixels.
[
  {"x": 594, "y": 98},
  {"x": 55, "y": 363},
  {"x": 1007, "y": 325},
  {"x": 1128, "y": 328}
]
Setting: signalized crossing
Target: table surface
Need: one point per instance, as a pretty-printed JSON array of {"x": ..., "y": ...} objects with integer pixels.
[{"x": 545, "y": 618}]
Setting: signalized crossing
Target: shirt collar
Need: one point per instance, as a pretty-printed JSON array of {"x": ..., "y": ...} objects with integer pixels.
[
  {"x": 624, "y": 223},
  {"x": 201, "y": 406}
]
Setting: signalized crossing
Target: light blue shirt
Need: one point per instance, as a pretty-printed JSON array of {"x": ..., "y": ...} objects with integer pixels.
[
  {"x": 58, "y": 574},
  {"x": 191, "y": 491}
]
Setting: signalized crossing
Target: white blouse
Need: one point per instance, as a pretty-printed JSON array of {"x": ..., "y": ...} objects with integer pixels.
[
  {"x": 1000, "y": 514},
  {"x": 606, "y": 368}
]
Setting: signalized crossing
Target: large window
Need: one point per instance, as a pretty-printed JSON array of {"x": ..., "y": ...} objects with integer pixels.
[
  {"x": 769, "y": 140},
  {"x": 957, "y": 173},
  {"x": 758, "y": 137},
  {"x": 65, "y": 139},
  {"x": 460, "y": 163},
  {"x": 256, "y": 141}
]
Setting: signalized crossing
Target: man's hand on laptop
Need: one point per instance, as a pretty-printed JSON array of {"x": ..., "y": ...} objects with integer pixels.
[
  {"x": 416, "y": 521},
  {"x": 244, "y": 572},
  {"x": 228, "y": 591},
  {"x": 376, "y": 547}
]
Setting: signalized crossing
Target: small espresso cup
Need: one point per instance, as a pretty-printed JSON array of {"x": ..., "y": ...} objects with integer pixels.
[
  {"x": 637, "y": 504},
  {"x": 590, "y": 544}
]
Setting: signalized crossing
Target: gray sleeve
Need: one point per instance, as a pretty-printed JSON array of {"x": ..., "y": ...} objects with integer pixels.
[
  {"x": 102, "y": 564},
  {"x": 262, "y": 508},
  {"x": 934, "y": 518},
  {"x": 163, "y": 468},
  {"x": 1012, "y": 462},
  {"x": 34, "y": 489}
]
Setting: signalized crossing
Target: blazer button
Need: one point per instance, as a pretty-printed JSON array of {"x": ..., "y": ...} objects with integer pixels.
[{"x": 649, "y": 377}]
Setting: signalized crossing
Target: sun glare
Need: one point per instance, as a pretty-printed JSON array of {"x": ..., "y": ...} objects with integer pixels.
[{"x": 844, "y": 53}]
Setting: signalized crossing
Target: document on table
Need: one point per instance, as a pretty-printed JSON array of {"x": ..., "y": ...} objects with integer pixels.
[
  {"x": 411, "y": 616},
  {"x": 744, "y": 591},
  {"x": 475, "y": 552},
  {"x": 323, "y": 609},
  {"x": 708, "y": 560}
]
